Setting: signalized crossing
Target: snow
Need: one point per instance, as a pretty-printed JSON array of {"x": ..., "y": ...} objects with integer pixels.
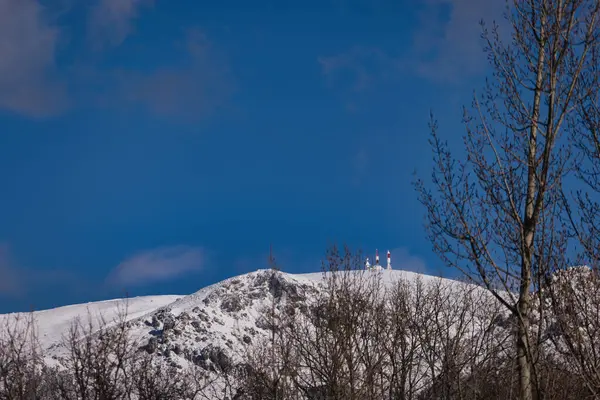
[
  {"x": 52, "y": 324},
  {"x": 224, "y": 314},
  {"x": 228, "y": 316}
]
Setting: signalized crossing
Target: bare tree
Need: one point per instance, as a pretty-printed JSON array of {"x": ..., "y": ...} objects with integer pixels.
[
  {"x": 154, "y": 379},
  {"x": 365, "y": 338},
  {"x": 401, "y": 344},
  {"x": 97, "y": 360},
  {"x": 104, "y": 361},
  {"x": 493, "y": 214},
  {"x": 268, "y": 370},
  {"x": 21, "y": 360},
  {"x": 335, "y": 341},
  {"x": 269, "y": 365},
  {"x": 584, "y": 207},
  {"x": 361, "y": 335},
  {"x": 573, "y": 326}
]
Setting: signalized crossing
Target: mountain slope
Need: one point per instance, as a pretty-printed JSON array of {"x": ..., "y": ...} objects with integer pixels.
[
  {"x": 225, "y": 315},
  {"x": 250, "y": 332},
  {"x": 52, "y": 324},
  {"x": 214, "y": 324}
]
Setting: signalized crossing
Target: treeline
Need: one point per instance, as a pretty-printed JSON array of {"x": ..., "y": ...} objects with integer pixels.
[
  {"x": 363, "y": 338},
  {"x": 360, "y": 338},
  {"x": 99, "y": 361}
]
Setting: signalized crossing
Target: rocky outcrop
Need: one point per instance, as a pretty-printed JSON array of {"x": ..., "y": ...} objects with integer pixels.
[{"x": 213, "y": 329}]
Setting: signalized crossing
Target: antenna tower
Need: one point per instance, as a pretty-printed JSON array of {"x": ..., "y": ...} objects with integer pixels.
[{"x": 272, "y": 263}]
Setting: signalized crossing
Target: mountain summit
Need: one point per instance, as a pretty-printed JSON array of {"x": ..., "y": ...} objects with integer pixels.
[{"x": 364, "y": 334}]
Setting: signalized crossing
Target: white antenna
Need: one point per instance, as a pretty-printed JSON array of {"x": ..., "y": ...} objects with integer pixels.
[{"x": 389, "y": 260}]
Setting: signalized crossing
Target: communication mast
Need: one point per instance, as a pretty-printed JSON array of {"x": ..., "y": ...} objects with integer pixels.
[
  {"x": 377, "y": 266},
  {"x": 272, "y": 263}
]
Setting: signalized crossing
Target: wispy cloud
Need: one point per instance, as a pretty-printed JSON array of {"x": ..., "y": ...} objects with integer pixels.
[
  {"x": 19, "y": 281},
  {"x": 402, "y": 259},
  {"x": 192, "y": 83},
  {"x": 190, "y": 91},
  {"x": 360, "y": 166},
  {"x": 447, "y": 46},
  {"x": 110, "y": 21},
  {"x": 28, "y": 73},
  {"x": 360, "y": 68},
  {"x": 158, "y": 265},
  {"x": 31, "y": 82},
  {"x": 31, "y": 41},
  {"x": 10, "y": 284}
]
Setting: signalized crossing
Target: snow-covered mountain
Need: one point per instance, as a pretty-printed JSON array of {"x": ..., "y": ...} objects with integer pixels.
[
  {"x": 52, "y": 324},
  {"x": 450, "y": 331},
  {"x": 224, "y": 317}
]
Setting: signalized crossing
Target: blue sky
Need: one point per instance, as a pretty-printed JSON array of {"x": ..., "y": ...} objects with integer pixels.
[{"x": 152, "y": 147}]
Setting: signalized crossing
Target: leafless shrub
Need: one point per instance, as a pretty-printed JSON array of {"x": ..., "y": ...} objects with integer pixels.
[
  {"x": 97, "y": 360},
  {"x": 21, "y": 360},
  {"x": 573, "y": 326},
  {"x": 154, "y": 379},
  {"x": 362, "y": 338}
]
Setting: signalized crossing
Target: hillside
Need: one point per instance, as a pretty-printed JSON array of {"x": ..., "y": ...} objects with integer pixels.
[
  {"x": 300, "y": 336},
  {"x": 220, "y": 314},
  {"x": 224, "y": 317},
  {"x": 52, "y": 324}
]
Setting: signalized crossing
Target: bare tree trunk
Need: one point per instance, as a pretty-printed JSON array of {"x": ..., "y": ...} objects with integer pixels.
[
  {"x": 484, "y": 216},
  {"x": 523, "y": 359},
  {"x": 529, "y": 225}
]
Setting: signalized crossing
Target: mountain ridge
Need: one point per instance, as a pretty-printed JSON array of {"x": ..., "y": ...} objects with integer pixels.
[{"x": 220, "y": 310}]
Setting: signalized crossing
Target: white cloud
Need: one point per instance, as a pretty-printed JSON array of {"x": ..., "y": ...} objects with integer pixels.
[
  {"x": 363, "y": 67},
  {"x": 33, "y": 83},
  {"x": 161, "y": 264},
  {"x": 448, "y": 49},
  {"x": 21, "y": 282},
  {"x": 10, "y": 284},
  {"x": 187, "y": 92},
  {"x": 111, "y": 21},
  {"x": 28, "y": 46},
  {"x": 402, "y": 259},
  {"x": 360, "y": 166}
]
